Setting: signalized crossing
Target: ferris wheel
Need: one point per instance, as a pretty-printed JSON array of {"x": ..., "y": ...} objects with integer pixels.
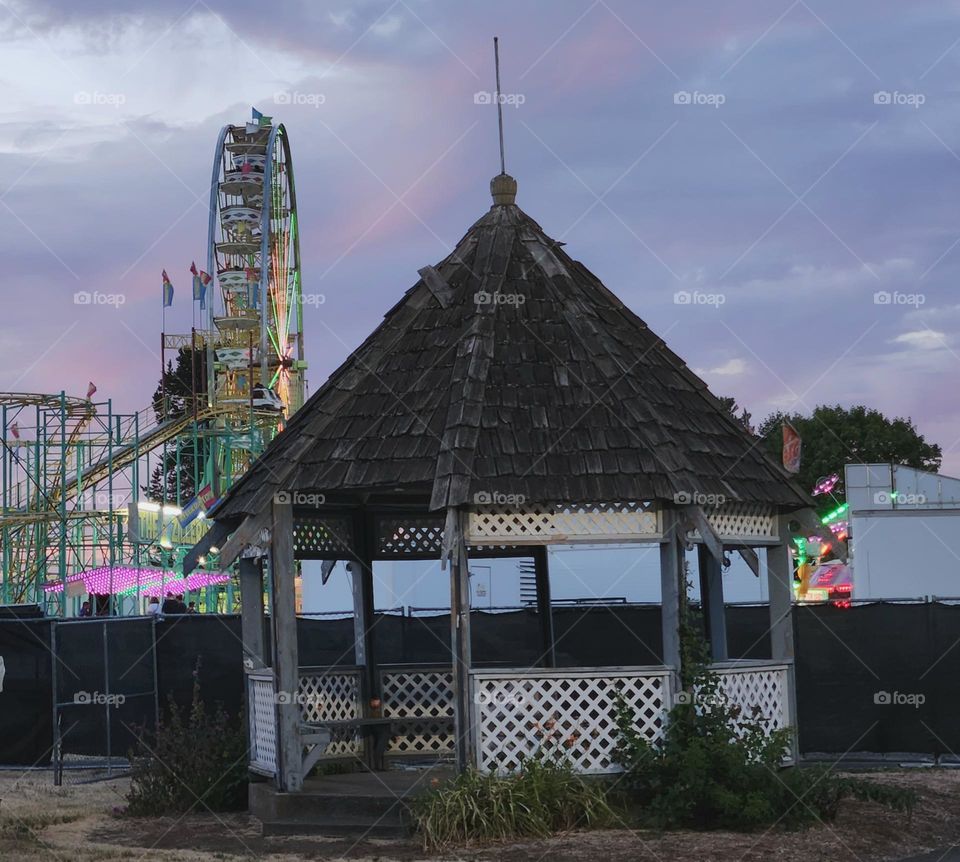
[{"x": 255, "y": 318}]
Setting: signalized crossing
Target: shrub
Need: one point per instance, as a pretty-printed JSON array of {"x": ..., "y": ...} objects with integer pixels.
[
  {"x": 544, "y": 798},
  {"x": 197, "y": 760},
  {"x": 718, "y": 768}
]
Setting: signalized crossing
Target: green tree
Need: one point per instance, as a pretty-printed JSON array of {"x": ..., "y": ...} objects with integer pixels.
[
  {"x": 738, "y": 414},
  {"x": 834, "y": 436},
  {"x": 173, "y": 399}
]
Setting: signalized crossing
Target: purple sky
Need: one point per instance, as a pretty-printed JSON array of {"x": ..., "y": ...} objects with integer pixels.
[{"x": 782, "y": 199}]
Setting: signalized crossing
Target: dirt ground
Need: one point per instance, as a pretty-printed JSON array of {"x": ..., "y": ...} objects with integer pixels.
[{"x": 82, "y": 823}]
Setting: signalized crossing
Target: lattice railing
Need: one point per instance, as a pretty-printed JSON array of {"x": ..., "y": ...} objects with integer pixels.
[
  {"x": 263, "y": 723},
  {"x": 420, "y": 700},
  {"x": 332, "y": 694},
  {"x": 321, "y": 537},
  {"x": 591, "y": 522},
  {"x": 742, "y": 522},
  {"x": 572, "y": 713},
  {"x": 761, "y": 690}
]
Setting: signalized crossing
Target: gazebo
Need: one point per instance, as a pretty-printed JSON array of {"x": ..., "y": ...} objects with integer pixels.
[{"x": 509, "y": 401}]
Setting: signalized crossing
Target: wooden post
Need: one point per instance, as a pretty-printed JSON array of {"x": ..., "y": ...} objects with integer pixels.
[
  {"x": 671, "y": 576},
  {"x": 711, "y": 602},
  {"x": 460, "y": 638},
  {"x": 286, "y": 672},
  {"x": 251, "y": 612},
  {"x": 780, "y": 590},
  {"x": 541, "y": 566},
  {"x": 361, "y": 571}
]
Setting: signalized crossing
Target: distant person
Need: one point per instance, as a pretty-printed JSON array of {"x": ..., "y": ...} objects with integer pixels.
[
  {"x": 153, "y": 607},
  {"x": 192, "y": 608},
  {"x": 169, "y": 605},
  {"x": 181, "y": 607},
  {"x": 86, "y": 610}
]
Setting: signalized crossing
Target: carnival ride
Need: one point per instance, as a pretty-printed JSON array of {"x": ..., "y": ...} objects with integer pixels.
[{"x": 75, "y": 515}]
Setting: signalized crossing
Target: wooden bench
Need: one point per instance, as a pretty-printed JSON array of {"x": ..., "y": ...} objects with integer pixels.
[{"x": 320, "y": 734}]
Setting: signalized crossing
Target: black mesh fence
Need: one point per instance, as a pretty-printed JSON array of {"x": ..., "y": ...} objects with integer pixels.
[{"x": 878, "y": 677}]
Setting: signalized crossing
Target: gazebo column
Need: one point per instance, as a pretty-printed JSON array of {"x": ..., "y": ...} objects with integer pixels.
[
  {"x": 456, "y": 552},
  {"x": 286, "y": 672},
  {"x": 671, "y": 577},
  {"x": 780, "y": 590},
  {"x": 711, "y": 602},
  {"x": 251, "y": 612},
  {"x": 541, "y": 568},
  {"x": 361, "y": 574}
]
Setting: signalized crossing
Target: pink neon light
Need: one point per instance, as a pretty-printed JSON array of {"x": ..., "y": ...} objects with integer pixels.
[{"x": 151, "y": 582}]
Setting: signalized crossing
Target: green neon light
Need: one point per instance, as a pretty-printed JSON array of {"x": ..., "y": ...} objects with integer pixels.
[{"x": 836, "y": 513}]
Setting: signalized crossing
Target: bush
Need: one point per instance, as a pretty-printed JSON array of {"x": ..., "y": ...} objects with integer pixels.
[
  {"x": 717, "y": 768},
  {"x": 544, "y": 798},
  {"x": 197, "y": 760}
]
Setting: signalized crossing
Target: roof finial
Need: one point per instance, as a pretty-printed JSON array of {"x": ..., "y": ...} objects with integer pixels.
[
  {"x": 503, "y": 187},
  {"x": 496, "y": 63}
]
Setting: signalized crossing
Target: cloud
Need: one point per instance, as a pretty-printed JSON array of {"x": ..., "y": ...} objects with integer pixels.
[
  {"x": 923, "y": 339},
  {"x": 730, "y": 368}
]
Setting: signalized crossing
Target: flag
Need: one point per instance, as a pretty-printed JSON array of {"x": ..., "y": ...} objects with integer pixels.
[
  {"x": 91, "y": 389},
  {"x": 246, "y": 167},
  {"x": 791, "y": 448},
  {"x": 257, "y": 116},
  {"x": 167, "y": 291},
  {"x": 197, "y": 283},
  {"x": 15, "y": 430}
]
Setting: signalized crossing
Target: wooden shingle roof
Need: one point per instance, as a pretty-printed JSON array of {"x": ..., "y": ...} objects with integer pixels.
[{"x": 509, "y": 369}]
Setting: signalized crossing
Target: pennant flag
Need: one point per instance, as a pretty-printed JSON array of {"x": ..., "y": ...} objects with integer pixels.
[
  {"x": 167, "y": 291},
  {"x": 205, "y": 278},
  {"x": 91, "y": 389},
  {"x": 197, "y": 284},
  {"x": 791, "y": 448},
  {"x": 15, "y": 430},
  {"x": 257, "y": 116}
]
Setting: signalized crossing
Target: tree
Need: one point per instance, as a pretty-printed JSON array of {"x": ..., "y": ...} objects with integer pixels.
[
  {"x": 834, "y": 436},
  {"x": 740, "y": 416},
  {"x": 173, "y": 399}
]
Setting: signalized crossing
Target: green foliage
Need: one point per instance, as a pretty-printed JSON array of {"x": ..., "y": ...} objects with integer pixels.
[
  {"x": 193, "y": 761},
  {"x": 544, "y": 798},
  {"x": 718, "y": 768},
  {"x": 834, "y": 436}
]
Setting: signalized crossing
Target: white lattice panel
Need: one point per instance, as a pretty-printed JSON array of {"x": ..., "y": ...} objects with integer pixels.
[
  {"x": 591, "y": 522},
  {"x": 422, "y": 698},
  {"x": 332, "y": 695},
  {"x": 565, "y": 712},
  {"x": 742, "y": 521},
  {"x": 759, "y": 692},
  {"x": 263, "y": 724}
]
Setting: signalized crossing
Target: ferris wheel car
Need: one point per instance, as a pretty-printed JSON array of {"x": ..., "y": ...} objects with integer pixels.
[{"x": 264, "y": 398}]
